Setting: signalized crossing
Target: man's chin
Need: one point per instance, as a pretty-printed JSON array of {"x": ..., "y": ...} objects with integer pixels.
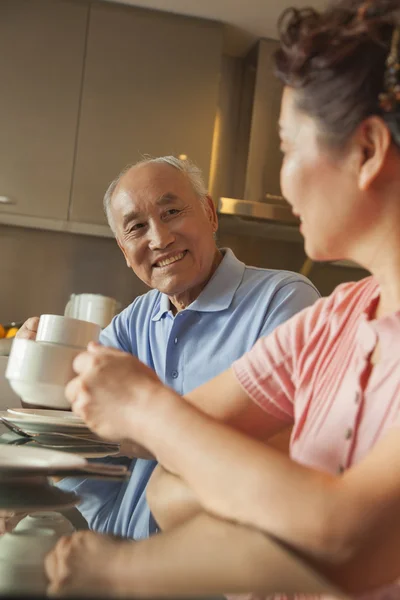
[{"x": 174, "y": 286}]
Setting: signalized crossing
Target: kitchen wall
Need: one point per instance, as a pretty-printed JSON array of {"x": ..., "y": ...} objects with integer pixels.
[{"x": 40, "y": 269}]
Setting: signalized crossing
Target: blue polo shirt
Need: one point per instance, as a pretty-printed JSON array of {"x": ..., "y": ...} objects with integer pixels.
[{"x": 238, "y": 305}]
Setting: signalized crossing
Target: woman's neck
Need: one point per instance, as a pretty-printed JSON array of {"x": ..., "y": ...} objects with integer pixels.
[{"x": 386, "y": 270}]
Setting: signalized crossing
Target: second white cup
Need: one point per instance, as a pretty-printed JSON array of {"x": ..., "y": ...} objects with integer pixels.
[{"x": 57, "y": 329}]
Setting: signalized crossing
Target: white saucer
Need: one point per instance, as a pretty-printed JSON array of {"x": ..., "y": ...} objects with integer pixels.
[
  {"x": 47, "y": 415},
  {"x": 21, "y": 458},
  {"x": 37, "y": 424}
]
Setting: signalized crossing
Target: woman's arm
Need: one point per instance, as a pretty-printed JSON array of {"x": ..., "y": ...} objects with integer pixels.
[
  {"x": 224, "y": 399},
  {"x": 351, "y": 524},
  {"x": 172, "y": 502},
  {"x": 337, "y": 520},
  {"x": 201, "y": 557}
]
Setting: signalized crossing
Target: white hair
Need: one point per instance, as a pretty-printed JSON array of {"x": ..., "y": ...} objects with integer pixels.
[{"x": 185, "y": 166}]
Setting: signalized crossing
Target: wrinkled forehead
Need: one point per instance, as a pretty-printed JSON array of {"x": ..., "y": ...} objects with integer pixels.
[{"x": 146, "y": 184}]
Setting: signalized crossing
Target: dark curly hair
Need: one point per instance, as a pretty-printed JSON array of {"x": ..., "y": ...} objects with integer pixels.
[{"x": 336, "y": 61}]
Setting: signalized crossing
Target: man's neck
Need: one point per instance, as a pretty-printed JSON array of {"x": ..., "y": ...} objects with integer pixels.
[{"x": 181, "y": 301}]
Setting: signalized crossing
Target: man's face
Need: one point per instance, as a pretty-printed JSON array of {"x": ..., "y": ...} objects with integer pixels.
[{"x": 163, "y": 229}]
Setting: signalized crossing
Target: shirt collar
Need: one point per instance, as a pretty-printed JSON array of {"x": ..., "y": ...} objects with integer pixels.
[
  {"x": 219, "y": 291},
  {"x": 386, "y": 329}
]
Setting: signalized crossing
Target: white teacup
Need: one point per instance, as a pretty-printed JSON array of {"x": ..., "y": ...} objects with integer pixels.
[
  {"x": 38, "y": 372},
  {"x": 92, "y": 307},
  {"x": 33, "y": 361},
  {"x": 40, "y": 395},
  {"x": 58, "y": 329}
]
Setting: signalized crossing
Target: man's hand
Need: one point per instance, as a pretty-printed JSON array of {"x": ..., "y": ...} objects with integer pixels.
[
  {"x": 114, "y": 393},
  {"x": 29, "y": 329},
  {"x": 86, "y": 564}
]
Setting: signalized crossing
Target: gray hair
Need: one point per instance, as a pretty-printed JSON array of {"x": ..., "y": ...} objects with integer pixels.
[{"x": 185, "y": 166}]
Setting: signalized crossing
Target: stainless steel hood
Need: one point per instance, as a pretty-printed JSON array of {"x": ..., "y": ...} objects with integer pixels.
[
  {"x": 274, "y": 209},
  {"x": 272, "y": 219}
]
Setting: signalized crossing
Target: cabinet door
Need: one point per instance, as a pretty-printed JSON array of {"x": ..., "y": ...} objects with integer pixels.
[
  {"x": 150, "y": 87},
  {"x": 41, "y": 60}
]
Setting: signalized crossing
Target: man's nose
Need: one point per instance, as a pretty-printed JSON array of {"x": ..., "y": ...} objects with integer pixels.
[{"x": 160, "y": 236}]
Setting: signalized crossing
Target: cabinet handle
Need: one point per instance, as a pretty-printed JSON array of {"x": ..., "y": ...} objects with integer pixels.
[{"x": 6, "y": 200}]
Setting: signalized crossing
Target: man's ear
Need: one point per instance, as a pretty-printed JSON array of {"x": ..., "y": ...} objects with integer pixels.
[
  {"x": 128, "y": 264},
  {"x": 212, "y": 213},
  {"x": 375, "y": 141}
]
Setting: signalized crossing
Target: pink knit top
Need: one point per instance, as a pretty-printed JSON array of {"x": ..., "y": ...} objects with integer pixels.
[{"x": 313, "y": 372}]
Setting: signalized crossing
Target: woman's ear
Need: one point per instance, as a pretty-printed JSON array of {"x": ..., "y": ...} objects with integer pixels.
[{"x": 375, "y": 141}]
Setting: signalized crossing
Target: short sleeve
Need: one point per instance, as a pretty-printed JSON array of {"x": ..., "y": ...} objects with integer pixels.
[
  {"x": 269, "y": 372},
  {"x": 289, "y": 300},
  {"x": 118, "y": 334}
]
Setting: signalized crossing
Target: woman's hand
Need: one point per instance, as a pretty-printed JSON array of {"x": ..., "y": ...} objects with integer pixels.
[
  {"x": 114, "y": 393},
  {"x": 86, "y": 564}
]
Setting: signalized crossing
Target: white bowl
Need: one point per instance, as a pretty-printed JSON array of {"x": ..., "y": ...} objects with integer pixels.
[
  {"x": 41, "y": 362},
  {"x": 22, "y": 556},
  {"x": 67, "y": 331},
  {"x": 36, "y": 393},
  {"x": 55, "y": 521},
  {"x": 27, "y": 546}
]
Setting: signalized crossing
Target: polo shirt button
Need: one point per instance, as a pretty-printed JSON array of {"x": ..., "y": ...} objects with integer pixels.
[
  {"x": 357, "y": 398},
  {"x": 349, "y": 434},
  {"x": 175, "y": 340},
  {"x": 340, "y": 469},
  {"x": 174, "y": 374}
]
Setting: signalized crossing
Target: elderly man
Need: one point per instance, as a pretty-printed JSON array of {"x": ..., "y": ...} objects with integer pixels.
[{"x": 205, "y": 310}]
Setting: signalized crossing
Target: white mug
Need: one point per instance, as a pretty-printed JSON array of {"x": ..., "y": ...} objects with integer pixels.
[
  {"x": 92, "y": 307},
  {"x": 58, "y": 329}
]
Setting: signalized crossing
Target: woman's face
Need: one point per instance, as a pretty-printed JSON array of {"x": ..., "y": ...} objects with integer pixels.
[{"x": 320, "y": 184}]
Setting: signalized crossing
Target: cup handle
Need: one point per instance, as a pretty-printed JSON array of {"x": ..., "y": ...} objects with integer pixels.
[{"x": 68, "y": 308}]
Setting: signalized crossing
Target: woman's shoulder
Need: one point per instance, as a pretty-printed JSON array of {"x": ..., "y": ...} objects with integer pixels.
[
  {"x": 346, "y": 295},
  {"x": 346, "y": 301}
]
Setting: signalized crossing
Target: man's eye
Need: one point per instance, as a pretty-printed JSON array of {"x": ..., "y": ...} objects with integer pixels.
[
  {"x": 136, "y": 226},
  {"x": 172, "y": 211}
]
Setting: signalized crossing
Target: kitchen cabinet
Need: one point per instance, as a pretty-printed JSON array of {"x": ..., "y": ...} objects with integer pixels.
[
  {"x": 41, "y": 61},
  {"x": 150, "y": 86}
]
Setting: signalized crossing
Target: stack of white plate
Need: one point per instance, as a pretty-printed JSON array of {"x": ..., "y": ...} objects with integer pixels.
[
  {"x": 56, "y": 429},
  {"x": 25, "y": 472}
]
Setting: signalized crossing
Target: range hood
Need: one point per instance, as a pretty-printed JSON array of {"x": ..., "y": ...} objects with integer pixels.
[
  {"x": 246, "y": 155},
  {"x": 249, "y": 144},
  {"x": 274, "y": 209}
]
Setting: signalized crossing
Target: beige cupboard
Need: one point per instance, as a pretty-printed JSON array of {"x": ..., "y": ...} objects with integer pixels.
[
  {"x": 91, "y": 87},
  {"x": 41, "y": 61}
]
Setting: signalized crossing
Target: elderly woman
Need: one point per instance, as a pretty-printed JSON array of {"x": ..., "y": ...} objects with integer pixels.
[{"x": 333, "y": 371}]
